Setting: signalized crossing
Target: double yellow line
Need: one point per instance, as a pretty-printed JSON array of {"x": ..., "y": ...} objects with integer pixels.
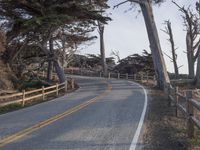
[{"x": 22, "y": 133}]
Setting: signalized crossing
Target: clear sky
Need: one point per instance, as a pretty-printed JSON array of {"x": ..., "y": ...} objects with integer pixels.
[{"x": 126, "y": 33}]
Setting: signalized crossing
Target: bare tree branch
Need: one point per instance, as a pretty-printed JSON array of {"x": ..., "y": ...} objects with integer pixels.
[
  {"x": 135, "y": 1},
  {"x": 167, "y": 55},
  {"x": 116, "y": 6},
  {"x": 180, "y": 66}
]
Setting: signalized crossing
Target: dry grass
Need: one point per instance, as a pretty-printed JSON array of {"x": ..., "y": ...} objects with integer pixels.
[{"x": 163, "y": 130}]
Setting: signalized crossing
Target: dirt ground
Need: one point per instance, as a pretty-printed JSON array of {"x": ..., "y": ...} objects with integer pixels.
[{"x": 163, "y": 131}]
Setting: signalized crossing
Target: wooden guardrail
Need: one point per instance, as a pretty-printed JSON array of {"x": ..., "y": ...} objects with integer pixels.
[
  {"x": 136, "y": 77},
  {"x": 25, "y": 96},
  {"x": 186, "y": 104}
]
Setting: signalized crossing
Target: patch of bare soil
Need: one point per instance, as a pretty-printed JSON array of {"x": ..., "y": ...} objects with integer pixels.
[{"x": 163, "y": 131}]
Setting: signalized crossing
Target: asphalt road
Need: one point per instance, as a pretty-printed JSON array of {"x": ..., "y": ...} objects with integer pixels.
[{"x": 100, "y": 115}]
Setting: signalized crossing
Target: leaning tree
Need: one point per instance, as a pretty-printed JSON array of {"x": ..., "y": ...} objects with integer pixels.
[{"x": 158, "y": 60}]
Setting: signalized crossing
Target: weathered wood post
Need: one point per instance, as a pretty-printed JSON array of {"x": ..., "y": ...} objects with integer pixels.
[
  {"x": 43, "y": 73},
  {"x": 23, "y": 97},
  {"x": 154, "y": 80},
  {"x": 43, "y": 93},
  {"x": 190, "y": 112},
  {"x": 66, "y": 86},
  {"x": 127, "y": 76},
  {"x": 100, "y": 75},
  {"x": 81, "y": 72},
  {"x": 56, "y": 89},
  {"x": 72, "y": 83},
  {"x": 168, "y": 93},
  {"x": 72, "y": 71},
  {"x": 118, "y": 76},
  {"x": 109, "y": 75},
  {"x": 177, "y": 100},
  {"x": 135, "y": 77},
  {"x": 142, "y": 77}
]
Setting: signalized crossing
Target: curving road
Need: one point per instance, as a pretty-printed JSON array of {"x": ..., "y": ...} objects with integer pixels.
[{"x": 100, "y": 115}]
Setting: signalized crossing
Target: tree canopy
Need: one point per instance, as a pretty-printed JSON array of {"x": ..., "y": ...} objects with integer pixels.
[{"x": 48, "y": 26}]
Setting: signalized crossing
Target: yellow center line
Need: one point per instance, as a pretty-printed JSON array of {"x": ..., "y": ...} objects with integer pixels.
[{"x": 22, "y": 133}]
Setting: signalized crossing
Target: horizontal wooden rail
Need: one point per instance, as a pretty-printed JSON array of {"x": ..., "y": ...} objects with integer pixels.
[
  {"x": 181, "y": 95},
  {"x": 10, "y": 96},
  {"x": 181, "y": 108},
  {"x": 10, "y": 102},
  {"x": 50, "y": 87},
  {"x": 195, "y": 103},
  {"x": 174, "y": 96},
  {"x": 33, "y": 91},
  {"x": 196, "y": 122},
  {"x": 33, "y": 97},
  {"x": 25, "y": 96}
]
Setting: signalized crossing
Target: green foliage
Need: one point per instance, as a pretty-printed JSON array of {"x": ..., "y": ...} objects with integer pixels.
[
  {"x": 136, "y": 63},
  {"x": 40, "y": 16},
  {"x": 35, "y": 22},
  {"x": 31, "y": 85},
  {"x": 90, "y": 61}
]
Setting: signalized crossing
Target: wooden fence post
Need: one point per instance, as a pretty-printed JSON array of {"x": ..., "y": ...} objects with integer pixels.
[
  {"x": 177, "y": 100},
  {"x": 109, "y": 75},
  {"x": 72, "y": 71},
  {"x": 72, "y": 83},
  {"x": 43, "y": 93},
  {"x": 118, "y": 75},
  {"x": 168, "y": 93},
  {"x": 43, "y": 73},
  {"x": 142, "y": 77},
  {"x": 100, "y": 75},
  {"x": 23, "y": 97},
  {"x": 135, "y": 76},
  {"x": 66, "y": 86},
  {"x": 127, "y": 76},
  {"x": 56, "y": 89},
  {"x": 190, "y": 112}
]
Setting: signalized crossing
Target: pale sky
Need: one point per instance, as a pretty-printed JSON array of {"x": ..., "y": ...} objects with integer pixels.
[{"x": 126, "y": 33}]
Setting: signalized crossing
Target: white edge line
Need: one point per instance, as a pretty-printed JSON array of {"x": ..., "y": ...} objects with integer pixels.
[{"x": 140, "y": 124}]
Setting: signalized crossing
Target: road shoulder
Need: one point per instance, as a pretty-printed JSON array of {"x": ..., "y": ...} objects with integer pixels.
[{"x": 162, "y": 130}]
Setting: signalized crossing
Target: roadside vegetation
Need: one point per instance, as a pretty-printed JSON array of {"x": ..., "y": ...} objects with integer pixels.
[{"x": 45, "y": 36}]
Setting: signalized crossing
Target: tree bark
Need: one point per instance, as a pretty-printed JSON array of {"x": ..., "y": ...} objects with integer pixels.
[
  {"x": 174, "y": 57},
  {"x": 50, "y": 65},
  {"x": 198, "y": 72},
  {"x": 102, "y": 49},
  {"x": 60, "y": 72},
  {"x": 49, "y": 71},
  {"x": 190, "y": 56},
  {"x": 158, "y": 60}
]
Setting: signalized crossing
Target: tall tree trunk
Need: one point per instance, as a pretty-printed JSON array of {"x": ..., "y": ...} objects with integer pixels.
[
  {"x": 198, "y": 72},
  {"x": 60, "y": 72},
  {"x": 174, "y": 56},
  {"x": 50, "y": 65},
  {"x": 158, "y": 60},
  {"x": 190, "y": 56},
  {"x": 49, "y": 71},
  {"x": 102, "y": 48}
]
